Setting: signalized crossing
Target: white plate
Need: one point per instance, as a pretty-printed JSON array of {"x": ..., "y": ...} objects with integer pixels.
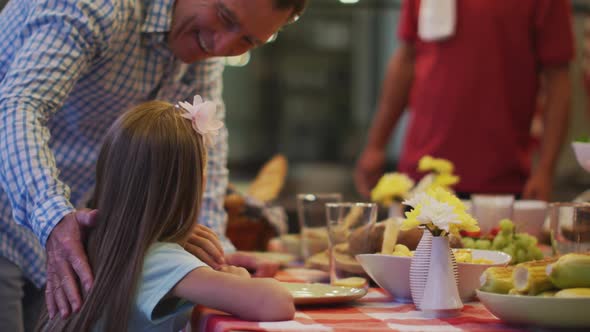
[
  {"x": 322, "y": 293},
  {"x": 536, "y": 310}
]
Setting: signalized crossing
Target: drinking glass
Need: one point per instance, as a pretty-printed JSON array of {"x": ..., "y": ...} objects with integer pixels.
[
  {"x": 488, "y": 210},
  {"x": 529, "y": 216},
  {"x": 350, "y": 226},
  {"x": 569, "y": 224},
  {"x": 311, "y": 211}
]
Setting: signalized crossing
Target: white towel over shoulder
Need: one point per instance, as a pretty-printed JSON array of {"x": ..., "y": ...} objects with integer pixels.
[{"x": 437, "y": 19}]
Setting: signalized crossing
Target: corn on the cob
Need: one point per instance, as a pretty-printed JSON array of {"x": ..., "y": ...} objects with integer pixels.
[
  {"x": 531, "y": 277},
  {"x": 573, "y": 292},
  {"x": 570, "y": 271},
  {"x": 497, "y": 279}
]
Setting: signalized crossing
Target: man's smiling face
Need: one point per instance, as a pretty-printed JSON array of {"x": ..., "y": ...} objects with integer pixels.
[{"x": 206, "y": 28}]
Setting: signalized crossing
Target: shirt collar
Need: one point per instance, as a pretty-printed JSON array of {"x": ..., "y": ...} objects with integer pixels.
[{"x": 157, "y": 15}]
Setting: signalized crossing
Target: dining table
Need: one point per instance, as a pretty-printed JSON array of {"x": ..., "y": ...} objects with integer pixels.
[{"x": 376, "y": 311}]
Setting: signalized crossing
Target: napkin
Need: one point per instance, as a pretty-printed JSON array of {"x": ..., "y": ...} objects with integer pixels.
[{"x": 437, "y": 19}]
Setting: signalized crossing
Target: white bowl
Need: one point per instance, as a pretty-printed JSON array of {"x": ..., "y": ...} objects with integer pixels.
[
  {"x": 582, "y": 151},
  {"x": 539, "y": 311},
  {"x": 392, "y": 273},
  {"x": 529, "y": 216}
]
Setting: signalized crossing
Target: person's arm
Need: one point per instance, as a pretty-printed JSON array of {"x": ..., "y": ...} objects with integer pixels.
[
  {"x": 259, "y": 299},
  {"x": 394, "y": 98},
  {"x": 554, "y": 48},
  {"x": 55, "y": 48},
  {"x": 556, "y": 121}
]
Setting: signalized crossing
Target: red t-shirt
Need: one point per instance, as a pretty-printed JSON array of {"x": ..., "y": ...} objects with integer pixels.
[{"x": 474, "y": 94}]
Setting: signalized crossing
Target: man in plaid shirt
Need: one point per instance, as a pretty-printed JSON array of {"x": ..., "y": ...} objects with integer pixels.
[{"x": 67, "y": 69}]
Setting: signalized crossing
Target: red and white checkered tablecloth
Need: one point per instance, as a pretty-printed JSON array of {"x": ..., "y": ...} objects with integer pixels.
[{"x": 374, "y": 312}]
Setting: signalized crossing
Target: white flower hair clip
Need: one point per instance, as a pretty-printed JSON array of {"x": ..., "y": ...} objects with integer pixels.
[{"x": 203, "y": 117}]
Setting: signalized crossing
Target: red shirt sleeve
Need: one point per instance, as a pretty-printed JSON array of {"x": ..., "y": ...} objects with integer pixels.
[
  {"x": 553, "y": 32},
  {"x": 408, "y": 22}
]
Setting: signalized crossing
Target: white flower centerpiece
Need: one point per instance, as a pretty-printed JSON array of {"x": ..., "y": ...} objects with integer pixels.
[{"x": 433, "y": 271}]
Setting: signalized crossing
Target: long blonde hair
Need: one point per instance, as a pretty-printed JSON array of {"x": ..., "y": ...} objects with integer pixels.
[{"x": 149, "y": 184}]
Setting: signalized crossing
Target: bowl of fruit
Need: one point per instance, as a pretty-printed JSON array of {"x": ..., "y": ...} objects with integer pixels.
[
  {"x": 392, "y": 272},
  {"x": 522, "y": 247},
  {"x": 553, "y": 292}
]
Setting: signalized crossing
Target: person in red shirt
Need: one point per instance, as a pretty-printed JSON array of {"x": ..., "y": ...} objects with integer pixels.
[{"x": 472, "y": 95}]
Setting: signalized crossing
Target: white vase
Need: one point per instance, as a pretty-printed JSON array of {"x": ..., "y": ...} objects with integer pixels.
[
  {"x": 419, "y": 267},
  {"x": 441, "y": 294}
]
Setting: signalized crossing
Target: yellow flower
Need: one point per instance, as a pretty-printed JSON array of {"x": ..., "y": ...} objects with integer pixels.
[
  {"x": 412, "y": 218},
  {"x": 438, "y": 165},
  {"x": 391, "y": 186},
  {"x": 440, "y": 211},
  {"x": 445, "y": 180}
]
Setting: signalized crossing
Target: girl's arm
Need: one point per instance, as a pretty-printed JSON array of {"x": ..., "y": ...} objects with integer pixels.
[{"x": 233, "y": 291}]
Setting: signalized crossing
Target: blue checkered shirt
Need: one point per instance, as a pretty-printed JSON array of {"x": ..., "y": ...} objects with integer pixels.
[{"x": 68, "y": 68}]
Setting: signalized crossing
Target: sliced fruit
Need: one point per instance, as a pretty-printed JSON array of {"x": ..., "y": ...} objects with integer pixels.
[{"x": 354, "y": 282}]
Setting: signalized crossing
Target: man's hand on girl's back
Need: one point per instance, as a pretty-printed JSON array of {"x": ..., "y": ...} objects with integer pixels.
[
  {"x": 67, "y": 263},
  {"x": 205, "y": 245}
]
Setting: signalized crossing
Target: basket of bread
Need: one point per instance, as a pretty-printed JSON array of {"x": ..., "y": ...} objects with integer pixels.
[{"x": 252, "y": 218}]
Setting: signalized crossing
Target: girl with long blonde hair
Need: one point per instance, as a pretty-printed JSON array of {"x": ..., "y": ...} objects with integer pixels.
[{"x": 149, "y": 186}]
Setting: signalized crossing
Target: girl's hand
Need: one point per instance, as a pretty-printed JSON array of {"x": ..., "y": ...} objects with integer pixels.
[
  {"x": 239, "y": 271},
  {"x": 260, "y": 267},
  {"x": 205, "y": 245}
]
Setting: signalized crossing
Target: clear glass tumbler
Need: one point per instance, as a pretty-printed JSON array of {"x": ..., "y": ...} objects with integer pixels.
[
  {"x": 311, "y": 211},
  {"x": 350, "y": 227},
  {"x": 569, "y": 223}
]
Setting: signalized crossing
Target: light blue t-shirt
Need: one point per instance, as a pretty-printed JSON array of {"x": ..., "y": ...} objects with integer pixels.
[{"x": 164, "y": 266}]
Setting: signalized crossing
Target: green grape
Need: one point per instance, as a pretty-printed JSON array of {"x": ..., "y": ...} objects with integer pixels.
[
  {"x": 483, "y": 244},
  {"x": 535, "y": 253},
  {"x": 521, "y": 255},
  {"x": 468, "y": 242},
  {"x": 510, "y": 251},
  {"x": 530, "y": 256},
  {"x": 534, "y": 241},
  {"x": 506, "y": 225},
  {"x": 520, "y": 242},
  {"x": 500, "y": 241}
]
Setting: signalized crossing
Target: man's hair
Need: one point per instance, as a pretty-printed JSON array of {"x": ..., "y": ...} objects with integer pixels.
[
  {"x": 149, "y": 184},
  {"x": 296, "y": 5}
]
